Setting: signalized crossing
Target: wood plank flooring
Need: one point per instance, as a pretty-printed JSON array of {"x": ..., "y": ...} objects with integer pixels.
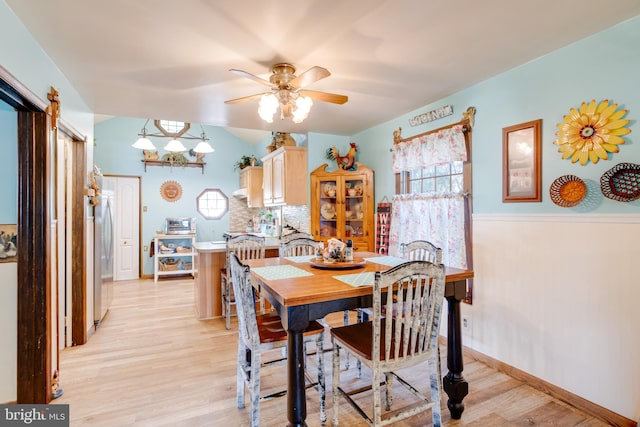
[{"x": 152, "y": 363}]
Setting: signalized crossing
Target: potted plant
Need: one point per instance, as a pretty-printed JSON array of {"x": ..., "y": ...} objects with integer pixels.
[{"x": 246, "y": 161}]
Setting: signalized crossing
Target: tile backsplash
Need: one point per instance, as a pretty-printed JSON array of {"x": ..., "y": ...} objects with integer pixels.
[{"x": 239, "y": 215}]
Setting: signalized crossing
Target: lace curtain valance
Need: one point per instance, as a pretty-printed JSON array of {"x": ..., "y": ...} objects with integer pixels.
[{"x": 444, "y": 146}]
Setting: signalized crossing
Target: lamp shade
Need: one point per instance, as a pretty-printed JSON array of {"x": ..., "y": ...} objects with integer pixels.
[
  {"x": 175, "y": 146},
  {"x": 267, "y": 107},
  {"x": 144, "y": 144},
  {"x": 203, "y": 147}
]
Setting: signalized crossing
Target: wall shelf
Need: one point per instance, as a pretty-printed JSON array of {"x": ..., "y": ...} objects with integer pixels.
[{"x": 173, "y": 165}]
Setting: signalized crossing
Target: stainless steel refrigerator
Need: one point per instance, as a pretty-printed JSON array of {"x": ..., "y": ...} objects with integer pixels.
[{"x": 103, "y": 249}]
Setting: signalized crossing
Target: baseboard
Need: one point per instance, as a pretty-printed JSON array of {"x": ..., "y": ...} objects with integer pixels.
[{"x": 576, "y": 401}]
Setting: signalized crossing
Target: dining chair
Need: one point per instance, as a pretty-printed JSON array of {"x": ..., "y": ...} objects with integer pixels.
[
  {"x": 387, "y": 344},
  {"x": 421, "y": 250},
  {"x": 300, "y": 246},
  {"x": 295, "y": 235},
  {"x": 245, "y": 246},
  {"x": 261, "y": 332}
]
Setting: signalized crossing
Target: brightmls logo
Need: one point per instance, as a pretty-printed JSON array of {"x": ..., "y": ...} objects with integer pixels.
[{"x": 34, "y": 415}]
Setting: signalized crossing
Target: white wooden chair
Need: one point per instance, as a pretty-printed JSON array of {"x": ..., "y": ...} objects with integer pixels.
[
  {"x": 421, "y": 250},
  {"x": 395, "y": 342},
  {"x": 298, "y": 247},
  {"x": 295, "y": 235},
  {"x": 245, "y": 246},
  {"x": 258, "y": 333}
]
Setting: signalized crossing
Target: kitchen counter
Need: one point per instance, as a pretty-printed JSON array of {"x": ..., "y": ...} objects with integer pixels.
[{"x": 211, "y": 260}]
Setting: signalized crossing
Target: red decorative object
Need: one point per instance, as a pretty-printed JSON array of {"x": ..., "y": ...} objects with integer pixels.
[
  {"x": 344, "y": 162},
  {"x": 383, "y": 223}
]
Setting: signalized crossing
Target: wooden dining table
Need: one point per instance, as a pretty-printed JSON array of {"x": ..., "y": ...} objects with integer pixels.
[{"x": 301, "y": 292}]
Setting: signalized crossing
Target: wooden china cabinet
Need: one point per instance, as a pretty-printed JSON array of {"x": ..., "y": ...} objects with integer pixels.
[{"x": 342, "y": 206}]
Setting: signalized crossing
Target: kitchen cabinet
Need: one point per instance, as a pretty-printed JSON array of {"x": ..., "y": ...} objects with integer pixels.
[
  {"x": 251, "y": 186},
  {"x": 285, "y": 176},
  {"x": 174, "y": 254},
  {"x": 342, "y": 206}
]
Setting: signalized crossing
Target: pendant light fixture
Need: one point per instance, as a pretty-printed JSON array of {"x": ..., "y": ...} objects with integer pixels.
[{"x": 173, "y": 130}]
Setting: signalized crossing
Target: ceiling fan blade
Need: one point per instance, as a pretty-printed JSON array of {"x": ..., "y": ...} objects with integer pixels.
[
  {"x": 252, "y": 77},
  {"x": 244, "y": 98},
  {"x": 312, "y": 75},
  {"x": 325, "y": 97}
]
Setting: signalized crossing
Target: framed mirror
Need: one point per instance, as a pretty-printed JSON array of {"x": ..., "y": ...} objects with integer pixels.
[{"x": 522, "y": 162}]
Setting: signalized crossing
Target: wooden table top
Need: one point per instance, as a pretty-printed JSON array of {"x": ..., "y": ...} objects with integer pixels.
[{"x": 321, "y": 286}]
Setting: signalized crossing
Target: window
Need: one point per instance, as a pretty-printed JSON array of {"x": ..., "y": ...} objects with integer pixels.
[
  {"x": 446, "y": 178},
  {"x": 433, "y": 193},
  {"x": 212, "y": 203}
]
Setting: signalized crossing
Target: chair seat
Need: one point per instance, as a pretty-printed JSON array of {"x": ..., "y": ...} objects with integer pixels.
[
  {"x": 271, "y": 330},
  {"x": 358, "y": 338}
]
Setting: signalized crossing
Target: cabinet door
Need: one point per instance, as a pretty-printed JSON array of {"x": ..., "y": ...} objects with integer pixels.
[
  {"x": 267, "y": 176},
  {"x": 355, "y": 208},
  {"x": 327, "y": 213},
  {"x": 278, "y": 190}
]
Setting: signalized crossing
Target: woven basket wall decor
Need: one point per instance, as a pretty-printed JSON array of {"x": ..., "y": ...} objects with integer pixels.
[{"x": 621, "y": 182}]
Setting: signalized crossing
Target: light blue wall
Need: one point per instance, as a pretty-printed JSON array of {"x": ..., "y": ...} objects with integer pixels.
[
  {"x": 9, "y": 168},
  {"x": 604, "y": 66},
  {"x": 114, "y": 155}
]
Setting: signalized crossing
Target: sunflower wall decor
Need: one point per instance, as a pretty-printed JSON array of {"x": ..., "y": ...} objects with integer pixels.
[{"x": 591, "y": 132}]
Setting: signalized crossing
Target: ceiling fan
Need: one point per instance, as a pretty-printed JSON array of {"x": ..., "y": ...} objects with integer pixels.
[{"x": 288, "y": 92}]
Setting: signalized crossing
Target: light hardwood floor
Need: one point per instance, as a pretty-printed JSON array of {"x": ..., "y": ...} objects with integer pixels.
[{"x": 152, "y": 363}]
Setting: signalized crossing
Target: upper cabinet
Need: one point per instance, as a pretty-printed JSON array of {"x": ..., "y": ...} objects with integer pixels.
[
  {"x": 342, "y": 205},
  {"x": 251, "y": 185},
  {"x": 285, "y": 176}
]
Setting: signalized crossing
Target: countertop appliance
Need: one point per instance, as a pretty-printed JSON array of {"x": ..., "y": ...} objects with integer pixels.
[
  {"x": 180, "y": 226},
  {"x": 103, "y": 243}
]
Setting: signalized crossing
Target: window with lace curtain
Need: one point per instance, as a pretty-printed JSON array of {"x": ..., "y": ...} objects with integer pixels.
[{"x": 433, "y": 190}]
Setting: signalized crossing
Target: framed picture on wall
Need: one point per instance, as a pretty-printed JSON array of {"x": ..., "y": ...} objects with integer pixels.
[
  {"x": 522, "y": 162},
  {"x": 8, "y": 243}
]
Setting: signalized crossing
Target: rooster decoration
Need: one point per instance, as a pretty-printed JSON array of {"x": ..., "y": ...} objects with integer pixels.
[{"x": 344, "y": 162}]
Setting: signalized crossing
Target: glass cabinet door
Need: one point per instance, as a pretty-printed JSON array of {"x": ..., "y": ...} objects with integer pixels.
[
  {"x": 329, "y": 209},
  {"x": 354, "y": 209}
]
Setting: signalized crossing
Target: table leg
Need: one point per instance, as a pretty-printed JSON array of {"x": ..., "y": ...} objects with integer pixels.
[{"x": 454, "y": 383}]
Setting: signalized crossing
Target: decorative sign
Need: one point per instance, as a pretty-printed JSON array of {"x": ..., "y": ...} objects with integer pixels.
[
  {"x": 383, "y": 221},
  {"x": 432, "y": 115}
]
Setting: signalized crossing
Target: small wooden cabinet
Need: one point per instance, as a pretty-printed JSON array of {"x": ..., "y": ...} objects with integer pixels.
[
  {"x": 342, "y": 206},
  {"x": 285, "y": 176},
  {"x": 174, "y": 255},
  {"x": 251, "y": 184}
]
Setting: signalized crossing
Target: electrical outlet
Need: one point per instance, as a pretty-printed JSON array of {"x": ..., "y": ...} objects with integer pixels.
[{"x": 466, "y": 325}]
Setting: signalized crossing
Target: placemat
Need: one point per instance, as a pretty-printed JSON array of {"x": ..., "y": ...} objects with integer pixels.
[
  {"x": 301, "y": 258},
  {"x": 275, "y": 272},
  {"x": 388, "y": 260},
  {"x": 358, "y": 279}
]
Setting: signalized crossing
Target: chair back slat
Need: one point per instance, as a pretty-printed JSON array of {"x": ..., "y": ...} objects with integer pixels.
[
  {"x": 414, "y": 292},
  {"x": 245, "y": 302},
  {"x": 298, "y": 247}
]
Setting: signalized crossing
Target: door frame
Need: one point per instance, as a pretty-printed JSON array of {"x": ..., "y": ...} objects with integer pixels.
[{"x": 35, "y": 338}]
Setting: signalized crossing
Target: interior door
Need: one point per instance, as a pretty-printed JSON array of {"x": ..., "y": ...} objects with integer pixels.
[{"x": 126, "y": 209}]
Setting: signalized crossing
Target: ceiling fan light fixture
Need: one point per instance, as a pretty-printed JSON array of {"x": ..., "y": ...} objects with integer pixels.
[
  {"x": 302, "y": 108},
  {"x": 267, "y": 107},
  {"x": 175, "y": 146}
]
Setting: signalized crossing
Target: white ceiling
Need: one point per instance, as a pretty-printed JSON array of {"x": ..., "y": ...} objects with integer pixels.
[{"x": 168, "y": 59}]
